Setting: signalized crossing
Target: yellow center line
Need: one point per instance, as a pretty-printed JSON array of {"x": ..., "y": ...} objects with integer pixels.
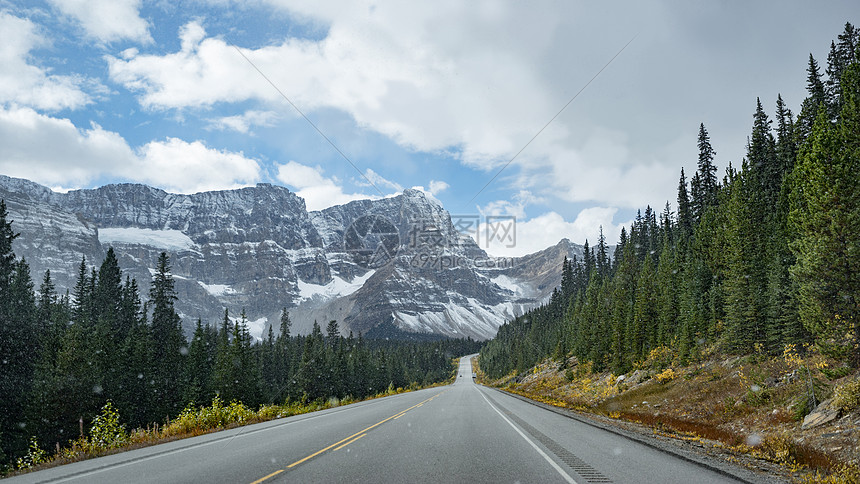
[
  {"x": 258, "y": 481},
  {"x": 351, "y": 441},
  {"x": 377, "y": 424}
]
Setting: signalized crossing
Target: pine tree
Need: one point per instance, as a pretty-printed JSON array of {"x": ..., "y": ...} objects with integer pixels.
[
  {"x": 82, "y": 295},
  {"x": 332, "y": 332},
  {"x": 134, "y": 401},
  {"x": 786, "y": 140},
  {"x": 169, "y": 348},
  {"x": 667, "y": 296},
  {"x": 685, "y": 216},
  {"x": 201, "y": 359},
  {"x": 816, "y": 100},
  {"x": 618, "y": 255},
  {"x": 623, "y": 297},
  {"x": 707, "y": 170},
  {"x": 18, "y": 332},
  {"x": 827, "y": 219},
  {"x": 568, "y": 280},
  {"x": 707, "y": 173},
  {"x": 745, "y": 274},
  {"x": 838, "y": 60},
  {"x": 602, "y": 259},
  {"x": 643, "y": 338},
  {"x": 761, "y": 155},
  {"x": 224, "y": 378}
]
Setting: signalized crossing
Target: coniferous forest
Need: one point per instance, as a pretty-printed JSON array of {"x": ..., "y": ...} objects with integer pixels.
[
  {"x": 764, "y": 257},
  {"x": 64, "y": 356}
]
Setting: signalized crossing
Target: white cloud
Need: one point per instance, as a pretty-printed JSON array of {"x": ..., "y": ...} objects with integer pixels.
[
  {"x": 547, "y": 229},
  {"x": 416, "y": 90},
  {"x": 24, "y": 84},
  {"x": 77, "y": 157},
  {"x": 475, "y": 90},
  {"x": 516, "y": 207},
  {"x": 244, "y": 122},
  {"x": 107, "y": 20},
  {"x": 604, "y": 171},
  {"x": 377, "y": 181},
  {"x": 184, "y": 167},
  {"x": 438, "y": 186},
  {"x": 54, "y": 152},
  {"x": 318, "y": 191}
]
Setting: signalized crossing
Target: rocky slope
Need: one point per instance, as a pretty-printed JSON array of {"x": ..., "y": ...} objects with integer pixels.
[{"x": 394, "y": 267}]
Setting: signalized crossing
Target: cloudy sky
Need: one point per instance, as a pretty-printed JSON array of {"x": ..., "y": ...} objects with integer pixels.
[{"x": 439, "y": 95}]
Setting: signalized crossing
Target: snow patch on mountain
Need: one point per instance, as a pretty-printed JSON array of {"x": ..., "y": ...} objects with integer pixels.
[
  {"x": 338, "y": 287},
  {"x": 217, "y": 290},
  {"x": 257, "y": 326},
  {"x": 163, "y": 239},
  {"x": 458, "y": 320},
  {"x": 509, "y": 284}
]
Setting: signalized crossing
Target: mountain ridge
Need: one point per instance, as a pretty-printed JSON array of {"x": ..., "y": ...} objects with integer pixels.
[{"x": 259, "y": 249}]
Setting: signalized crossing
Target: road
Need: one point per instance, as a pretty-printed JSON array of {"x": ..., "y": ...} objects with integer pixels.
[{"x": 459, "y": 433}]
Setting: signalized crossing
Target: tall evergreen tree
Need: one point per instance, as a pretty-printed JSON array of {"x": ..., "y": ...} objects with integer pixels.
[
  {"x": 706, "y": 185},
  {"x": 17, "y": 335},
  {"x": 169, "y": 345},
  {"x": 817, "y": 99},
  {"x": 685, "y": 215},
  {"x": 826, "y": 216},
  {"x": 602, "y": 256}
]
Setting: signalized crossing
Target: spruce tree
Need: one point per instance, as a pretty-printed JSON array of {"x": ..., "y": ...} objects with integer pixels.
[
  {"x": 18, "y": 335},
  {"x": 169, "y": 346},
  {"x": 685, "y": 216},
  {"x": 817, "y": 99},
  {"x": 826, "y": 217},
  {"x": 602, "y": 256},
  {"x": 643, "y": 337}
]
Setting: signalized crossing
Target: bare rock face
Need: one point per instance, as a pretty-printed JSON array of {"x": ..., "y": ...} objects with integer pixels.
[
  {"x": 260, "y": 250},
  {"x": 51, "y": 238},
  {"x": 824, "y": 413}
]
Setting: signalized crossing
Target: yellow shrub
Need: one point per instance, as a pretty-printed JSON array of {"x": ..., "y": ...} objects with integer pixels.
[
  {"x": 666, "y": 375},
  {"x": 659, "y": 358},
  {"x": 847, "y": 396}
]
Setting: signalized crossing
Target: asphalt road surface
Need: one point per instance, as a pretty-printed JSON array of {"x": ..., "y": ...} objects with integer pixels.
[{"x": 459, "y": 433}]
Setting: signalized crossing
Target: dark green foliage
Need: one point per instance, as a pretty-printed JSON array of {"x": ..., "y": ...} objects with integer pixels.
[
  {"x": 768, "y": 257},
  {"x": 169, "y": 346},
  {"x": 685, "y": 214},
  {"x": 704, "y": 185},
  {"x": 18, "y": 348},
  {"x": 826, "y": 217}
]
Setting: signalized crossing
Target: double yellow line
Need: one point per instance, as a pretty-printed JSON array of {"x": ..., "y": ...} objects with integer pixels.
[{"x": 348, "y": 440}]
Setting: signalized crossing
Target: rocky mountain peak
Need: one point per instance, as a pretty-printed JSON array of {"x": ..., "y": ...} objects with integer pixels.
[{"x": 259, "y": 249}]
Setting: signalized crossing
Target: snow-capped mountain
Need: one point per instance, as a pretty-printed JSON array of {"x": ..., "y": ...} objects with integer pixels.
[{"x": 394, "y": 267}]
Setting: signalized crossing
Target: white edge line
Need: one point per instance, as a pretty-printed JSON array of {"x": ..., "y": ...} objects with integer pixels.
[{"x": 555, "y": 466}]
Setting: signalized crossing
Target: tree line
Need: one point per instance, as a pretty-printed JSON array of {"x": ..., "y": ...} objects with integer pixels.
[
  {"x": 64, "y": 356},
  {"x": 767, "y": 256}
]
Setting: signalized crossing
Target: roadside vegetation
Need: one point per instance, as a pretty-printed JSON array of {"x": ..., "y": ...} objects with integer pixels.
[
  {"x": 736, "y": 407},
  {"x": 740, "y": 307}
]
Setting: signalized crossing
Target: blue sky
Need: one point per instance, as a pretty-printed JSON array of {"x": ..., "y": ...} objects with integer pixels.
[{"x": 438, "y": 95}]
